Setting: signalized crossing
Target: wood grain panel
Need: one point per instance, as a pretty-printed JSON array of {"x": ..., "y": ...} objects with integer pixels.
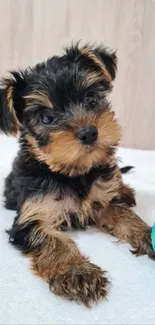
[{"x": 32, "y": 30}]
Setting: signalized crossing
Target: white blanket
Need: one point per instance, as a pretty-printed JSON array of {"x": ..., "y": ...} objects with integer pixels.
[{"x": 26, "y": 299}]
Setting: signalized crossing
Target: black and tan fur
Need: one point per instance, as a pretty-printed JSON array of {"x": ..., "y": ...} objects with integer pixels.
[{"x": 57, "y": 182}]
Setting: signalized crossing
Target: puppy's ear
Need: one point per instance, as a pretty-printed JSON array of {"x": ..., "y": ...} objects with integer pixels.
[
  {"x": 103, "y": 61},
  {"x": 12, "y": 103},
  {"x": 95, "y": 58},
  {"x": 109, "y": 59}
]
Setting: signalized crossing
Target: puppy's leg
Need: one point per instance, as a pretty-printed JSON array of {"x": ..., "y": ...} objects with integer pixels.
[
  {"x": 124, "y": 224},
  {"x": 10, "y": 193},
  {"x": 55, "y": 257}
]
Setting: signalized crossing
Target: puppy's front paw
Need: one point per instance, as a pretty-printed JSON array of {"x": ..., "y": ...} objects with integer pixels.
[
  {"x": 145, "y": 245},
  {"x": 84, "y": 284}
]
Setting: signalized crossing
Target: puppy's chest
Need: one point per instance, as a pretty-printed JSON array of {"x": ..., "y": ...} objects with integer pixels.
[
  {"x": 65, "y": 202},
  {"x": 78, "y": 211}
]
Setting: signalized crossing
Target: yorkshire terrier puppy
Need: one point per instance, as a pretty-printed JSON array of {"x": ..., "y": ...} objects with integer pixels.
[{"x": 66, "y": 175}]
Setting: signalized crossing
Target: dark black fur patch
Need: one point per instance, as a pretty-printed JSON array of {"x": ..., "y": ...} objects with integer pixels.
[
  {"x": 31, "y": 177},
  {"x": 11, "y": 192},
  {"x": 19, "y": 236},
  {"x": 126, "y": 169}
]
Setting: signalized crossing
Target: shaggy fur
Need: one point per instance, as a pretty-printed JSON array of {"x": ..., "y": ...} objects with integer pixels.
[{"x": 60, "y": 182}]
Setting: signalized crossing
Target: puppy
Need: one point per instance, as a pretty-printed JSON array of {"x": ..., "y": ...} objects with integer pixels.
[{"x": 66, "y": 175}]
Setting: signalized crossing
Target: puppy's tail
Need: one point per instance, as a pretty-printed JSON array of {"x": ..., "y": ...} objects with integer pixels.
[{"x": 126, "y": 169}]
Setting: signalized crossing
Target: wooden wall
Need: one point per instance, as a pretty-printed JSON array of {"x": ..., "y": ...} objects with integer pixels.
[{"x": 32, "y": 30}]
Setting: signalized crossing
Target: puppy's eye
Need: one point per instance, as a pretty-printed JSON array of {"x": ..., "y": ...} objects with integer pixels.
[
  {"x": 46, "y": 116},
  {"x": 91, "y": 100}
]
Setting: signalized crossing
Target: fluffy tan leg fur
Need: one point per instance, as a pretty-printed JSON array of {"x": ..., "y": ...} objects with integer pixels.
[
  {"x": 56, "y": 258},
  {"x": 123, "y": 223}
]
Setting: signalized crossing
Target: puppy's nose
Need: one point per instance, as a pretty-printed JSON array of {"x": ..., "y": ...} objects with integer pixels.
[{"x": 87, "y": 135}]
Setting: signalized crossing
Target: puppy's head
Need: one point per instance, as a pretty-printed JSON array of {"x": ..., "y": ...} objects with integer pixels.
[{"x": 60, "y": 107}]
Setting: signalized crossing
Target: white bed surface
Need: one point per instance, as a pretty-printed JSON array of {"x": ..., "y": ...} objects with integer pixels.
[{"x": 26, "y": 299}]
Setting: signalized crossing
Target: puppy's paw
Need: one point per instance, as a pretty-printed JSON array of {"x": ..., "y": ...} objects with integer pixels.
[
  {"x": 145, "y": 246},
  {"x": 85, "y": 284}
]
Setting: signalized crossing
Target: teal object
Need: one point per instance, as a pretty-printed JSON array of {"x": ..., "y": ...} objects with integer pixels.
[{"x": 153, "y": 237}]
